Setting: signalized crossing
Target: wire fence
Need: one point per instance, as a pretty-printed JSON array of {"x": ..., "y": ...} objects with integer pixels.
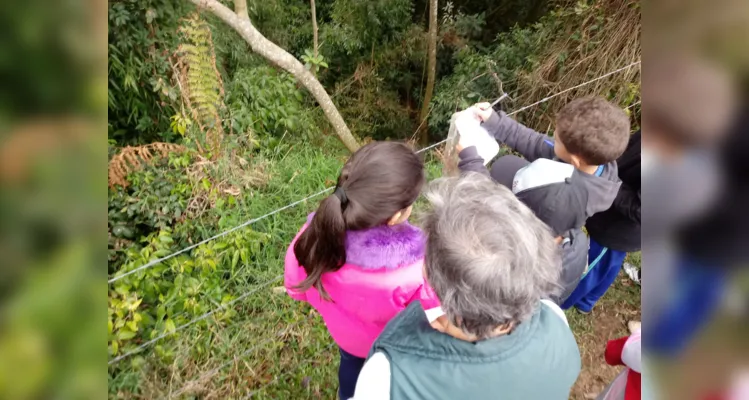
[
  {"x": 195, "y": 320},
  {"x": 257, "y": 288}
]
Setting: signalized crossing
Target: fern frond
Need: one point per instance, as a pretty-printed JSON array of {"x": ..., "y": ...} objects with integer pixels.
[
  {"x": 200, "y": 81},
  {"x": 131, "y": 158}
]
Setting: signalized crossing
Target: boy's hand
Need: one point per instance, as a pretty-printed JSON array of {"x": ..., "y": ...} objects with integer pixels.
[{"x": 482, "y": 111}]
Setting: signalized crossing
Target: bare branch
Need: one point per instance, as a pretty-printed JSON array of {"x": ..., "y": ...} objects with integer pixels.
[
  {"x": 240, "y": 7},
  {"x": 279, "y": 57},
  {"x": 314, "y": 27}
]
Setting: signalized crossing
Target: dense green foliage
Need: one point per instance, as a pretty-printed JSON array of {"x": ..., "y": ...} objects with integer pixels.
[
  {"x": 179, "y": 77},
  {"x": 142, "y": 40},
  {"x": 373, "y": 52}
]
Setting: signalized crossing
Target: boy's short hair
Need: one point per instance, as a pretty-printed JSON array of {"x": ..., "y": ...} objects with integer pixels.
[
  {"x": 690, "y": 100},
  {"x": 593, "y": 129}
]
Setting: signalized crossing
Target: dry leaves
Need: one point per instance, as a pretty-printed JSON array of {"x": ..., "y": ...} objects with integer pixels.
[{"x": 131, "y": 158}]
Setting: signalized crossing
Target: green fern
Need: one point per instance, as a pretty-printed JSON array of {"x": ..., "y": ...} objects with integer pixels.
[{"x": 200, "y": 82}]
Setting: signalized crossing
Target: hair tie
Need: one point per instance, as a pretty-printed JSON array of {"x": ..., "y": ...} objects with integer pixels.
[{"x": 341, "y": 194}]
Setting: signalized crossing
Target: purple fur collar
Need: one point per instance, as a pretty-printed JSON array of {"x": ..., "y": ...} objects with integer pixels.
[{"x": 388, "y": 247}]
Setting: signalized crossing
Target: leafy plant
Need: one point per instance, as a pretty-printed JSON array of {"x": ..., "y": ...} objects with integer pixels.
[
  {"x": 266, "y": 101},
  {"x": 180, "y": 124},
  {"x": 142, "y": 36},
  {"x": 356, "y": 26},
  {"x": 146, "y": 304},
  {"x": 312, "y": 62}
]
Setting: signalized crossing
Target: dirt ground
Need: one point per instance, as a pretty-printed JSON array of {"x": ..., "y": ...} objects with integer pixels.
[{"x": 607, "y": 321}]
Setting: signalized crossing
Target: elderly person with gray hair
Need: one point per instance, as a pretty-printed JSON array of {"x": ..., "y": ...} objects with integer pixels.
[{"x": 492, "y": 264}]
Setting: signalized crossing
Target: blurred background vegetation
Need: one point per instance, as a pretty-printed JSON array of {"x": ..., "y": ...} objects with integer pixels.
[{"x": 52, "y": 116}]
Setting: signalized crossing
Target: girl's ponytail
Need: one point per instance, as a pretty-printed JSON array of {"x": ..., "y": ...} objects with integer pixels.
[
  {"x": 379, "y": 180},
  {"x": 321, "y": 247}
]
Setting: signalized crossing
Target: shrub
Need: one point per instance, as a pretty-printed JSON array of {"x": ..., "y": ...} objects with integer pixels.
[
  {"x": 566, "y": 47},
  {"x": 268, "y": 102},
  {"x": 157, "y": 300}
]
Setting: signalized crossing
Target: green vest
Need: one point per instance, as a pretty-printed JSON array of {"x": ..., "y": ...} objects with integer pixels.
[{"x": 539, "y": 359}]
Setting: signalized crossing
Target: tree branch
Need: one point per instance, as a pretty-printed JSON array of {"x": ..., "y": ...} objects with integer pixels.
[
  {"x": 431, "y": 71},
  {"x": 314, "y": 27},
  {"x": 279, "y": 57},
  {"x": 240, "y": 7}
]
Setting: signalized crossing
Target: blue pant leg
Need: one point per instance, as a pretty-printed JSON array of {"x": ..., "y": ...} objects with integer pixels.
[
  {"x": 698, "y": 290},
  {"x": 348, "y": 373},
  {"x": 608, "y": 270},
  {"x": 589, "y": 281}
]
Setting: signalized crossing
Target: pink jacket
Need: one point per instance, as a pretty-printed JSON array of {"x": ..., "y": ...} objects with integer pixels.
[{"x": 382, "y": 275}]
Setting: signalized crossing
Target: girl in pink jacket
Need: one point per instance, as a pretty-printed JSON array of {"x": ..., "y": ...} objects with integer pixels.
[{"x": 357, "y": 260}]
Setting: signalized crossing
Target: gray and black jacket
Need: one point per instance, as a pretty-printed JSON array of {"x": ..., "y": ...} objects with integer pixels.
[
  {"x": 560, "y": 195},
  {"x": 618, "y": 228},
  {"x": 564, "y": 204}
]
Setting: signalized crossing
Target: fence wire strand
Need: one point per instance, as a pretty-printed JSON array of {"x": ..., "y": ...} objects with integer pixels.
[
  {"x": 195, "y": 320},
  {"x": 224, "y": 233}
]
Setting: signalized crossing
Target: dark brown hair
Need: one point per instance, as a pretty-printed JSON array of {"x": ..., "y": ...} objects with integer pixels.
[
  {"x": 378, "y": 180},
  {"x": 593, "y": 129}
]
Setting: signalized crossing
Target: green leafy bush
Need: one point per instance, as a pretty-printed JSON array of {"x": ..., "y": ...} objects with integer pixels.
[
  {"x": 156, "y": 199},
  {"x": 157, "y": 300},
  {"x": 356, "y": 26},
  {"x": 266, "y": 101},
  {"x": 142, "y": 37}
]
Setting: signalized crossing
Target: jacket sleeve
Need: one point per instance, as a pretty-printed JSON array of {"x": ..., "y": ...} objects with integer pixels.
[
  {"x": 529, "y": 143},
  {"x": 293, "y": 273},
  {"x": 632, "y": 352},
  {"x": 374, "y": 380},
  {"x": 470, "y": 161},
  {"x": 627, "y": 202}
]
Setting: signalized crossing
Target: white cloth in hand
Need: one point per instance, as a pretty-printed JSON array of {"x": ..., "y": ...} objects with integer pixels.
[{"x": 471, "y": 133}]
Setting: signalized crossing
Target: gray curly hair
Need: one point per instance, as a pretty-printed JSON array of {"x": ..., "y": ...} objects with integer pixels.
[{"x": 488, "y": 258}]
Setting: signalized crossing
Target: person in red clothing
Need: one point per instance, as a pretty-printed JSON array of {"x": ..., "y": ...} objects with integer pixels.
[{"x": 624, "y": 351}]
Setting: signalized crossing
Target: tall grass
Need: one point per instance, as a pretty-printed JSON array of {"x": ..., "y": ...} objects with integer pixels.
[{"x": 592, "y": 39}]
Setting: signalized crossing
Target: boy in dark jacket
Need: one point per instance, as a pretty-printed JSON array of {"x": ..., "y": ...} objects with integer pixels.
[
  {"x": 613, "y": 233},
  {"x": 565, "y": 180}
]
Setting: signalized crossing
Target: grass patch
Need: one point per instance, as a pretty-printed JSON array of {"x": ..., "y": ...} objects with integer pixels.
[{"x": 276, "y": 348}]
